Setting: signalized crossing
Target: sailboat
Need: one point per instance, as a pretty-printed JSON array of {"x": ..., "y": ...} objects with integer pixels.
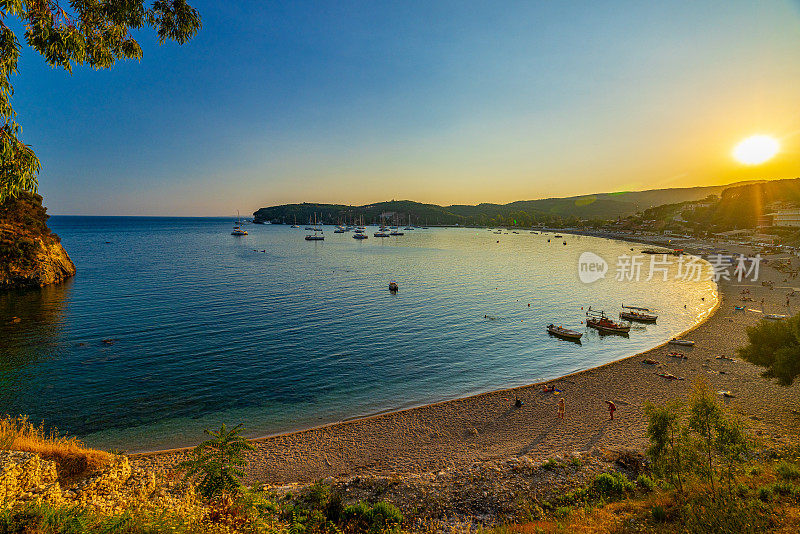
[
  {"x": 237, "y": 230},
  {"x": 295, "y": 225},
  {"x": 315, "y": 236}
]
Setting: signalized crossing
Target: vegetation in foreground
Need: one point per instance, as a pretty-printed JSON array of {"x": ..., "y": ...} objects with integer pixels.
[
  {"x": 701, "y": 474},
  {"x": 71, "y": 456}
]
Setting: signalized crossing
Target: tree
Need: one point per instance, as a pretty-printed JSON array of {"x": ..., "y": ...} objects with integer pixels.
[
  {"x": 87, "y": 32},
  {"x": 218, "y": 461},
  {"x": 775, "y": 346}
]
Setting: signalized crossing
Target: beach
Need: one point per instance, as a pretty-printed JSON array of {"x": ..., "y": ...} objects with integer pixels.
[{"x": 485, "y": 427}]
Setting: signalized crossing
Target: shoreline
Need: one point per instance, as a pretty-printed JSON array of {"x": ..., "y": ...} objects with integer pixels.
[
  {"x": 394, "y": 411},
  {"x": 485, "y": 426},
  {"x": 399, "y": 411}
]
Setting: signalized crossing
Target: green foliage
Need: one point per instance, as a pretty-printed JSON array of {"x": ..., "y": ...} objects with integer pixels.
[
  {"x": 377, "y": 518},
  {"x": 549, "y": 464},
  {"x": 709, "y": 445},
  {"x": 86, "y": 32},
  {"x": 787, "y": 470},
  {"x": 611, "y": 486},
  {"x": 658, "y": 514},
  {"x": 218, "y": 461},
  {"x": 775, "y": 345},
  {"x": 667, "y": 449},
  {"x": 645, "y": 483},
  {"x": 48, "y": 519}
]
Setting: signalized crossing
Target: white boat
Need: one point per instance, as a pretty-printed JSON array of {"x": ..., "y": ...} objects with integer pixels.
[
  {"x": 682, "y": 342},
  {"x": 565, "y": 333},
  {"x": 237, "y": 230}
]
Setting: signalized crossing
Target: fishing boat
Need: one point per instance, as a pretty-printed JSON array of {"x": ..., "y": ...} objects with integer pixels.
[
  {"x": 635, "y": 313},
  {"x": 237, "y": 229},
  {"x": 600, "y": 322},
  {"x": 565, "y": 333},
  {"x": 315, "y": 236},
  {"x": 682, "y": 342}
]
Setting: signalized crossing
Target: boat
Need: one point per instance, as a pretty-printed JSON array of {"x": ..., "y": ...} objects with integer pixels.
[
  {"x": 393, "y": 287},
  {"x": 237, "y": 229},
  {"x": 565, "y": 333},
  {"x": 359, "y": 235},
  {"x": 682, "y": 342},
  {"x": 600, "y": 322},
  {"x": 381, "y": 233},
  {"x": 775, "y": 316},
  {"x": 295, "y": 225},
  {"x": 315, "y": 236},
  {"x": 558, "y": 236},
  {"x": 634, "y": 313},
  {"x": 339, "y": 231}
]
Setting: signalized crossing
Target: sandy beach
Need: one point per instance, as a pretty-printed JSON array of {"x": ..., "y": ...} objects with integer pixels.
[{"x": 487, "y": 426}]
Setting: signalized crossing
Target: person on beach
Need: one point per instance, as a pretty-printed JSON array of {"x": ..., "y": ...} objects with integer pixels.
[
  {"x": 611, "y": 409},
  {"x": 561, "y": 408}
]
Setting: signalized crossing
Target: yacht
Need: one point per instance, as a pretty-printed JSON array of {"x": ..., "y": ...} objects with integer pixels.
[
  {"x": 237, "y": 229},
  {"x": 315, "y": 236}
]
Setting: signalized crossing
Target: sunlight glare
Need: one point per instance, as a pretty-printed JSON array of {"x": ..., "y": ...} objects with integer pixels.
[{"x": 756, "y": 149}]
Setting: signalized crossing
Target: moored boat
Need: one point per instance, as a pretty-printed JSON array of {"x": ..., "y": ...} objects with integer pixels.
[
  {"x": 600, "y": 322},
  {"x": 565, "y": 333},
  {"x": 635, "y": 313}
]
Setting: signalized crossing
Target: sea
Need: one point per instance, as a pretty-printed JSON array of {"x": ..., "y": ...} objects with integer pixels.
[{"x": 172, "y": 325}]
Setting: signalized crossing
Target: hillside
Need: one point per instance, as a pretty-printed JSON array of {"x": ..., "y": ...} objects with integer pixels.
[
  {"x": 526, "y": 212},
  {"x": 738, "y": 206},
  {"x": 30, "y": 255}
]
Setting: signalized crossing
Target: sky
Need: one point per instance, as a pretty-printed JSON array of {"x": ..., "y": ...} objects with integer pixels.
[{"x": 435, "y": 101}]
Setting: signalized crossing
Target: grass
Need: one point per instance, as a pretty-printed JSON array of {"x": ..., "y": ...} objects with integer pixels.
[
  {"x": 766, "y": 499},
  {"x": 71, "y": 456}
]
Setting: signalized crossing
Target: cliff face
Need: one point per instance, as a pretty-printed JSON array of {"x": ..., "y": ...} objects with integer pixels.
[{"x": 30, "y": 255}]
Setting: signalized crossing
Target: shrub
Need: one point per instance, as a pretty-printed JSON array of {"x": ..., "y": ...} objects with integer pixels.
[
  {"x": 550, "y": 464},
  {"x": 645, "y": 483},
  {"x": 377, "y": 518},
  {"x": 385, "y": 514},
  {"x": 787, "y": 471},
  {"x": 610, "y": 485},
  {"x": 658, "y": 514},
  {"x": 218, "y": 461}
]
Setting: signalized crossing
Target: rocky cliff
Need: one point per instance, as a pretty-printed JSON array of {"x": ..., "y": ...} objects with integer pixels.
[{"x": 30, "y": 255}]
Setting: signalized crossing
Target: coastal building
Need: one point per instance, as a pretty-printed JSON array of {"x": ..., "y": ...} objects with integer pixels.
[{"x": 787, "y": 217}]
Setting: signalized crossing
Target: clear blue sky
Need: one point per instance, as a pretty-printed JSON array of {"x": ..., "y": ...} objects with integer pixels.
[{"x": 445, "y": 102}]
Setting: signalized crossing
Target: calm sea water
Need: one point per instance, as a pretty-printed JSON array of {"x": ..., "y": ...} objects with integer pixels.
[{"x": 282, "y": 334}]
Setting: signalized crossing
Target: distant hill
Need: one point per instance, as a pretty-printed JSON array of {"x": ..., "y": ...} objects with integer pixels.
[
  {"x": 601, "y": 206},
  {"x": 740, "y": 206}
]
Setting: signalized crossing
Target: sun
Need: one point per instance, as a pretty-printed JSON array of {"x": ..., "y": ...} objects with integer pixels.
[{"x": 756, "y": 149}]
